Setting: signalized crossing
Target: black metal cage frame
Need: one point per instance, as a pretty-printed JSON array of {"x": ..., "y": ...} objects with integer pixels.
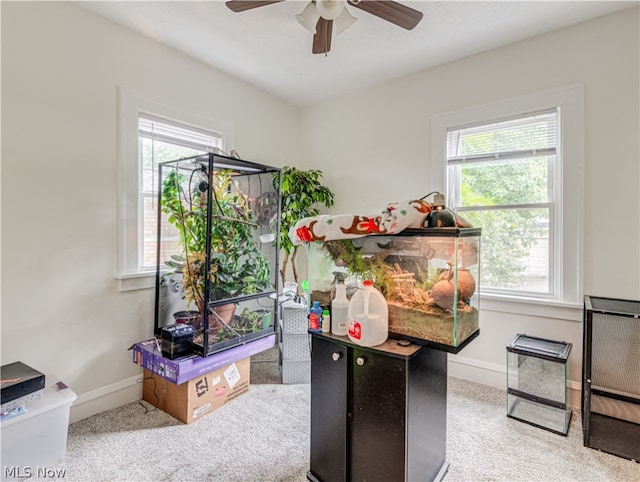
[{"x": 609, "y": 433}]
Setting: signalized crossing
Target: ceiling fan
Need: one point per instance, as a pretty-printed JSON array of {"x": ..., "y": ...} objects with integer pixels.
[{"x": 319, "y": 16}]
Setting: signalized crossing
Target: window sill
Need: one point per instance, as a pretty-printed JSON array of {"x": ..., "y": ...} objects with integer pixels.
[
  {"x": 136, "y": 281},
  {"x": 532, "y": 307}
]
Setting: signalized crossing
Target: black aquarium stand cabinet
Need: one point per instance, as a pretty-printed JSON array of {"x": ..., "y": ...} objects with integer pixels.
[{"x": 377, "y": 414}]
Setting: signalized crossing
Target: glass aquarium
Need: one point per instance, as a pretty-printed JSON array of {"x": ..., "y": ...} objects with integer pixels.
[
  {"x": 429, "y": 277},
  {"x": 217, "y": 249},
  {"x": 537, "y": 382}
]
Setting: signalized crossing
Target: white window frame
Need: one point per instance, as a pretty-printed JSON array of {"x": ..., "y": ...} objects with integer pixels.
[
  {"x": 569, "y": 222},
  {"x": 130, "y": 105},
  {"x": 552, "y": 203}
]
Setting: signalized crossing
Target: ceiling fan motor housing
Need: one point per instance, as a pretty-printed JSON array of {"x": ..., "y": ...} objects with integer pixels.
[{"x": 330, "y": 9}]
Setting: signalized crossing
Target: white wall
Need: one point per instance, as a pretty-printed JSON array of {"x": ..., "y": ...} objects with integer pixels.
[
  {"x": 374, "y": 147},
  {"x": 61, "y": 311}
]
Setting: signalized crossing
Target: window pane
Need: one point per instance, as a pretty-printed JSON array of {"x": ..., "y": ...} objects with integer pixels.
[
  {"x": 160, "y": 141},
  {"x": 515, "y": 248},
  {"x": 170, "y": 239},
  {"x": 494, "y": 183},
  {"x": 189, "y": 136},
  {"x": 154, "y": 152},
  {"x": 521, "y": 134}
]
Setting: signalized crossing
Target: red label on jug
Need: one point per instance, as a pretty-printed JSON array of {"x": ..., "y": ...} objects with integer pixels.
[{"x": 355, "y": 330}]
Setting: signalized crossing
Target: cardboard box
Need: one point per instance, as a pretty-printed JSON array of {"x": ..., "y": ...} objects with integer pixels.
[
  {"x": 191, "y": 400},
  {"x": 147, "y": 354}
]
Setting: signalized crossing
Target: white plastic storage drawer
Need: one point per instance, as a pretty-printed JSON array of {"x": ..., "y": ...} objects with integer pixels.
[
  {"x": 294, "y": 320},
  {"x": 296, "y": 371},
  {"x": 296, "y": 346}
]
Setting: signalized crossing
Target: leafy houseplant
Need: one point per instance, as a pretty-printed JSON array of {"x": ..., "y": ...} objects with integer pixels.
[
  {"x": 237, "y": 267},
  {"x": 301, "y": 195}
]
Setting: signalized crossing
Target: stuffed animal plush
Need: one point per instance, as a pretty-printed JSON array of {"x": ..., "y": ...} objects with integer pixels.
[{"x": 397, "y": 217}]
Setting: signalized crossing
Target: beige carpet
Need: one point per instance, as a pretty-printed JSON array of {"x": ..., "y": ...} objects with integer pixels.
[
  {"x": 483, "y": 444},
  {"x": 263, "y": 435}
]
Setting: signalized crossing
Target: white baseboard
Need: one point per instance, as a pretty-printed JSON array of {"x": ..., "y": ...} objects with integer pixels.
[
  {"x": 495, "y": 375},
  {"x": 106, "y": 398},
  {"x": 130, "y": 389},
  {"x": 574, "y": 394},
  {"x": 477, "y": 371}
]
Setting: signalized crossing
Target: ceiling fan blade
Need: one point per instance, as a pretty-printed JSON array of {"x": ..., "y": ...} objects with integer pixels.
[
  {"x": 393, "y": 12},
  {"x": 322, "y": 38},
  {"x": 242, "y": 5}
]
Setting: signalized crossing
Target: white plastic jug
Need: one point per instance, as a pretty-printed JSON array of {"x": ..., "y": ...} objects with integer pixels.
[
  {"x": 340, "y": 311},
  {"x": 368, "y": 316}
]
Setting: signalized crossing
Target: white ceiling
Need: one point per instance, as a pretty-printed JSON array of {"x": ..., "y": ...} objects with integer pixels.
[{"x": 268, "y": 48}]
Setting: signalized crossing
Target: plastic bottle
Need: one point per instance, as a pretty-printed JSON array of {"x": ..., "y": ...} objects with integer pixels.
[
  {"x": 368, "y": 316},
  {"x": 290, "y": 295},
  {"x": 326, "y": 321},
  {"x": 340, "y": 311},
  {"x": 315, "y": 317}
]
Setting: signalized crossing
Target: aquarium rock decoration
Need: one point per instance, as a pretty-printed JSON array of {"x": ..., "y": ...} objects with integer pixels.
[
  {"x": 442, "y": 292},
  {"x": 395, "y": 218}
]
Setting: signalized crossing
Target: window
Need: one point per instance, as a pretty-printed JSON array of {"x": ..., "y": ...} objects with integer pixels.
[
  {"x": 162, "y": 140},
  {"x": 514, "y": 168},
  {"x": 149, "y": 133},
  {"x": 500, "y": 176}
]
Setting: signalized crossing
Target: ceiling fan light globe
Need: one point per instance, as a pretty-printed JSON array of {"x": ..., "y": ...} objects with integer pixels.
[
  {"x": 344, "y": 21},
  {"x": 309, "y": 17},
  {"x": 330, "y": 9}
]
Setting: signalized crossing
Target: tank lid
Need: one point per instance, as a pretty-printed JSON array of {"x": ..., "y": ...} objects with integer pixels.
[{"x": 551, "y": 350}]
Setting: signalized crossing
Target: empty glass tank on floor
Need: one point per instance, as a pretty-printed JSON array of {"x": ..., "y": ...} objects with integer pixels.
[
  {"x": 537, "y": 382},
  {"x": 217, "y": 249}
]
